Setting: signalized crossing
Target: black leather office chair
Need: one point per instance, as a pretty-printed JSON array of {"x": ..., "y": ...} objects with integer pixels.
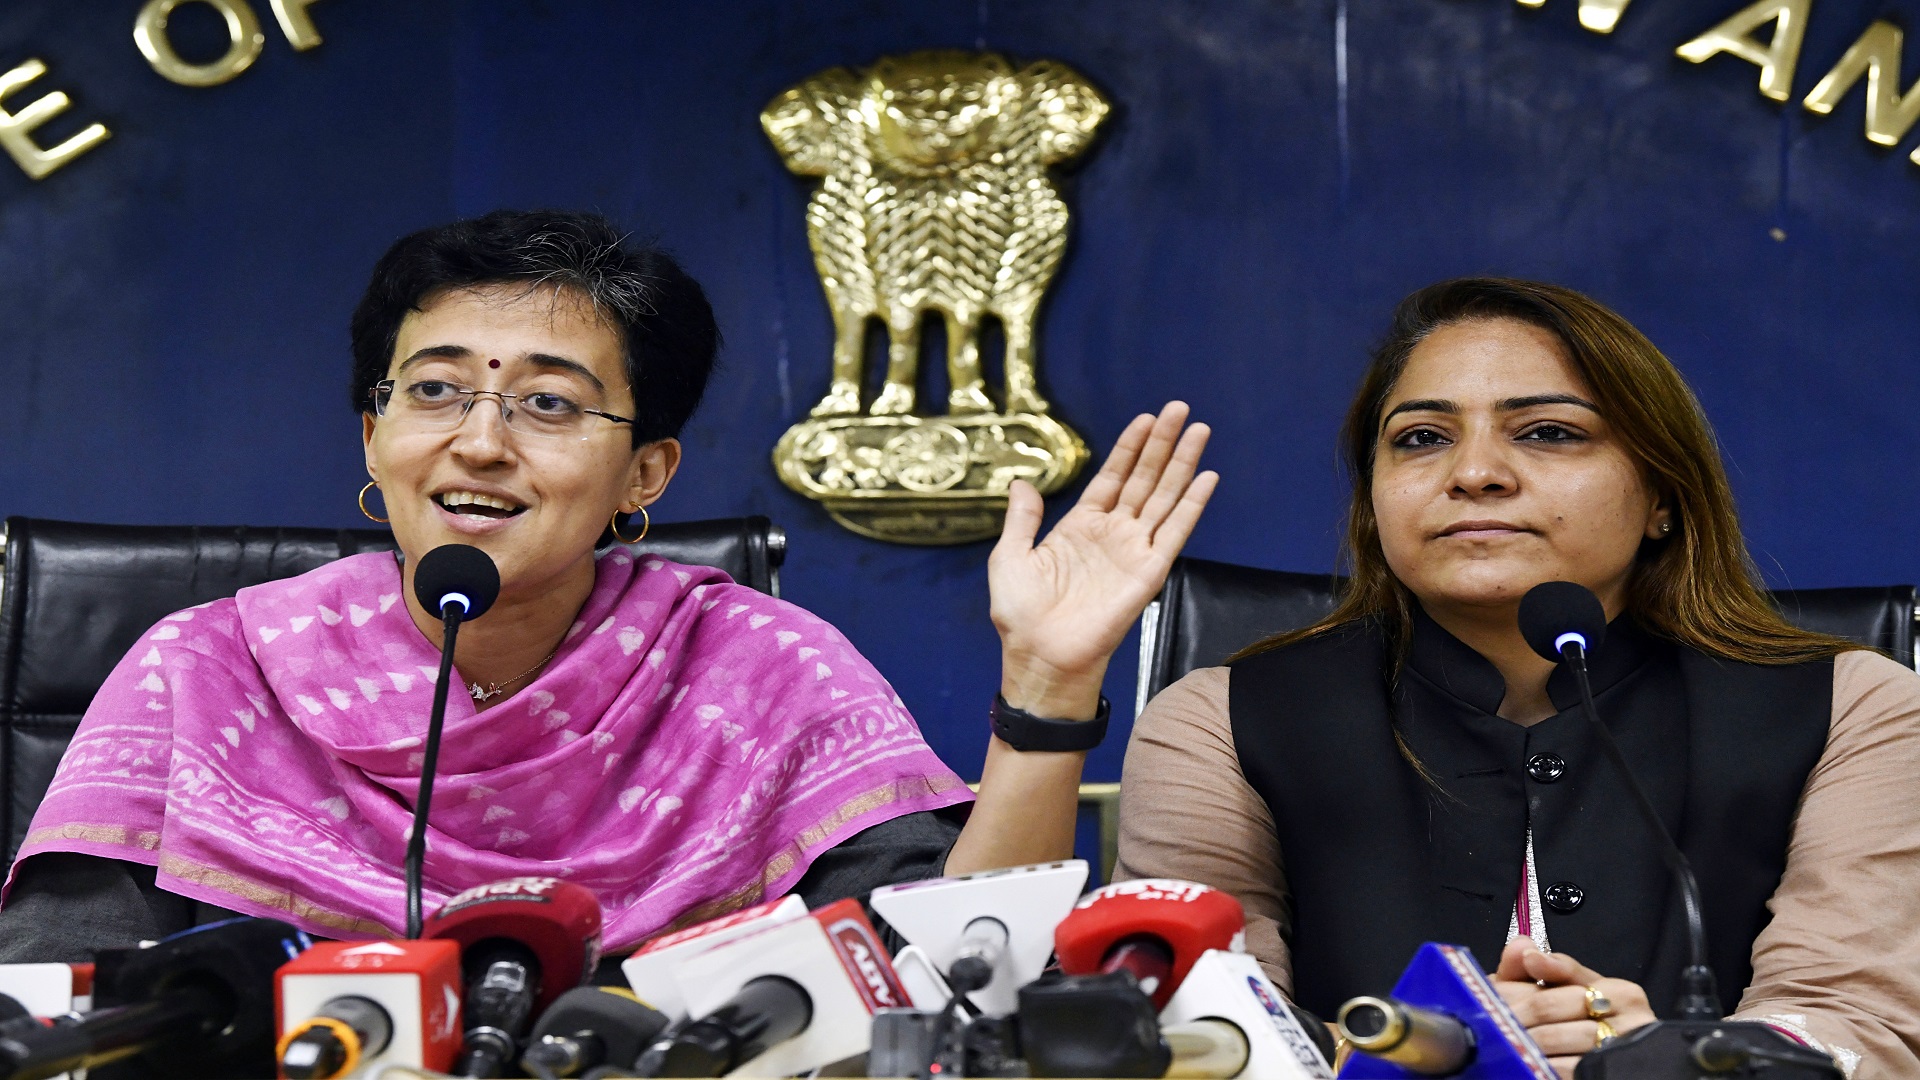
[
  {"x": 1211, "y": 610},
  {"x": 75, "y": 597}
]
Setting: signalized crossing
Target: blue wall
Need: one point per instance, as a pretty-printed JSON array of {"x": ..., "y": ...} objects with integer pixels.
[{"x": 173, "y": 305}]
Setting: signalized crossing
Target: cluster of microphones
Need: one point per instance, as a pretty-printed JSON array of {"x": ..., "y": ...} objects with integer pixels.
[{"x": 1013, "y": 972}]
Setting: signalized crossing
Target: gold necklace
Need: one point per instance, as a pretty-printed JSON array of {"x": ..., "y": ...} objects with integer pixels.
[{"x": 493, "y": 690}]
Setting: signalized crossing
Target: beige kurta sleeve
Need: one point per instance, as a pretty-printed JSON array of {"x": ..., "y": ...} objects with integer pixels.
[
  {"x": 1840, "y": 962},
  {"x": 1187, "y": 812}
]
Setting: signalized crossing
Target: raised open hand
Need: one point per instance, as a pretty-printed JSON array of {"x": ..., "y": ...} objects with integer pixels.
[{"x": 1062, "y": 607}]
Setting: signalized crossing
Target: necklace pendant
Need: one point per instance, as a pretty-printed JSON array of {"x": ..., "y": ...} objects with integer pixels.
[{"x": 480, "y": 694}]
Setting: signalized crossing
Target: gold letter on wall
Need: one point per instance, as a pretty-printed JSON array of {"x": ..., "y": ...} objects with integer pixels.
[
  {"x": 16, "y": 129},
  {"x": 1599, "y": 16},
  {"x": 296, "y": 23},
  {"x": 1889, "y": 112},
  {"x": 1776, "y": 60},
  {"x": 243, "y": 36}
]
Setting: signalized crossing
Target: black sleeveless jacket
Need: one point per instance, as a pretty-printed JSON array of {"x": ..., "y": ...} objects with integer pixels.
[{"x": 1379, "y": 859}]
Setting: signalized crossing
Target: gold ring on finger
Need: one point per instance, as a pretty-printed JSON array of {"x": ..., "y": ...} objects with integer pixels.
[
  {"x": 1598, "y": 1004},
  {"x": 1602, "y": 1033}
]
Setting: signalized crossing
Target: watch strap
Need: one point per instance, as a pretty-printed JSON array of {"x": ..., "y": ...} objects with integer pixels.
[{"x": 1024, "y": 731}]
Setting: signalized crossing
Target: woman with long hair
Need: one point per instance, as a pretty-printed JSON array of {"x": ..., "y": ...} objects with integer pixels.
[{"x": 1409, "y": 770}]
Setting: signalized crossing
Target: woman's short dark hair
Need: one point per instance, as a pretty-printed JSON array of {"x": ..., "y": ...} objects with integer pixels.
[{"x": 661, "y": 314}]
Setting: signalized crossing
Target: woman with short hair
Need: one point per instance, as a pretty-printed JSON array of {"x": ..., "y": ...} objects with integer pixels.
[
  {"x": 1409, "y": 770},
  {"x": 678, "y": 743}
]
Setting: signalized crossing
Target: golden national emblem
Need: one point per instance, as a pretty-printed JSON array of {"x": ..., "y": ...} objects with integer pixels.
[{"x": 934, "y": 200}]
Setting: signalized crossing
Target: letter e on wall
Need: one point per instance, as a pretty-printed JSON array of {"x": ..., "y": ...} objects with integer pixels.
[{"x": 16, "y": 128}]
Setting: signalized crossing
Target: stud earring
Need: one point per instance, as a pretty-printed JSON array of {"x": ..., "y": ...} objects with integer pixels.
[{"x": 371, "y": 484}]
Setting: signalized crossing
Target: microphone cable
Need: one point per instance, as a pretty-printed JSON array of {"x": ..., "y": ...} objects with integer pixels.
[{"x": 456, "y": 582}]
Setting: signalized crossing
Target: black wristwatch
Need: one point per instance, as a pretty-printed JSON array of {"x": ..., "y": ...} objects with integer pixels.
[{"x": 1022, "y": 730}]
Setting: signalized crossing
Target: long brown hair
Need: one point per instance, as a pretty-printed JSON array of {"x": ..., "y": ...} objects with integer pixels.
[{"x": 1697, "y": 587}]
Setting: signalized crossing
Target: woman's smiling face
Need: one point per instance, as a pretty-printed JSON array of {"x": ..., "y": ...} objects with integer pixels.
[
  {"x": 536, "y": 504},
  {"x": 1493, "y": 472}
]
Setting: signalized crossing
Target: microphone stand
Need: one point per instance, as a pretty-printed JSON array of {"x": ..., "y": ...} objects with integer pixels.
[
  {"x": 1699, "y": 1042},
  {"x": 451, "y": 612}
]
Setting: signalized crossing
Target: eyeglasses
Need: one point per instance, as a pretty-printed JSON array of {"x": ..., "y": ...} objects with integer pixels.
[{"x": 435, "y": 404}]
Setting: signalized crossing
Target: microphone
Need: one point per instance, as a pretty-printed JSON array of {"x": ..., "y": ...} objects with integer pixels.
[
  {"x": 650, "y": 970},
  {"x": 990, "y": 932},
  {"x": 343, "y": 1005},
  {"x": 1283, "y": 1043},
  {"x": 48, "y": 989},
  {"x": 199, "y": 1003},
  {"x": 1157, "y": 928},
  {"x": 589, "y": 1026},
  {"x": 1103, "y": 1025},
  {"x": 1444, "y": 1018},
  {"x": 1207, "y": 1048},
  {"x": 456, "y": 576},
  {"x": 786, "y": 1000},
  {"x": 1425, "y": 1042},
  {"x": 522, "y": 942},
  {"x": 1099, "y": 1024},
  {"x": 455, "y": 582},
  {"x": 768, "y": 1010},
  {"x": 1563, "y": 622}
]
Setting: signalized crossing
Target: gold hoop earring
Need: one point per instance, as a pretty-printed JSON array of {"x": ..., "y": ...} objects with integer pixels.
[
  {"x": 371, "y": 484},
  {"x": 645, "y": 524}
]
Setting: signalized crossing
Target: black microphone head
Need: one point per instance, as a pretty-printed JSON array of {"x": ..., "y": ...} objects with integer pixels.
[
  {"x": 458, "y": 574},
  {"x": 1552, "y": 610},
  {"x": 229, "y": 966}
]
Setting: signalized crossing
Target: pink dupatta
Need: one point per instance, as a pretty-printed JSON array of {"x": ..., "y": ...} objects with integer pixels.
[{"x": 690, "y": 749}]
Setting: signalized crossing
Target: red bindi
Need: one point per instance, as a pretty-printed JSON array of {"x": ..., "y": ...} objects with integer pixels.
[{"x": 493, "y": 363}]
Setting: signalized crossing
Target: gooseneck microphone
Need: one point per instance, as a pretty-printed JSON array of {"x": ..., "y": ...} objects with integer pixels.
[
  {"x": 457, "y": 582},
  {"x": 1563, "y": 622}
]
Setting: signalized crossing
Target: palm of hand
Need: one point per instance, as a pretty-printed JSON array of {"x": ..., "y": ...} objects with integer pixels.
[
  {"x": 1069, "y": 601},
  {"x": 1064, "y": 606}
]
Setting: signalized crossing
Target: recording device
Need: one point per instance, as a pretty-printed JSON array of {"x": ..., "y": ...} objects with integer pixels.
[
  {"x": 48, "y": 989},
  {"x": 998, "y": 924},
  {"x": 199, "y": 1003},
  {"x": 456, "y": 582},
  {"x": 346, "y": 1005},
  {"x": 1563, "y": 622},
  {"x": 1282, "y": 1043},
  {"x": 1156, "y": 928},
  {"x": 523, "y": 942},
  {"x": 785, "y": 1000},
  {"x": 650, "y": 970},
  {"x": 1444, "y": 1018},
  {"x": 590, "y": 1026}
]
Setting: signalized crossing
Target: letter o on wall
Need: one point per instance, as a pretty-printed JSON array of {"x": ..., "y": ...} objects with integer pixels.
[{"x": 243, "y": 36}]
